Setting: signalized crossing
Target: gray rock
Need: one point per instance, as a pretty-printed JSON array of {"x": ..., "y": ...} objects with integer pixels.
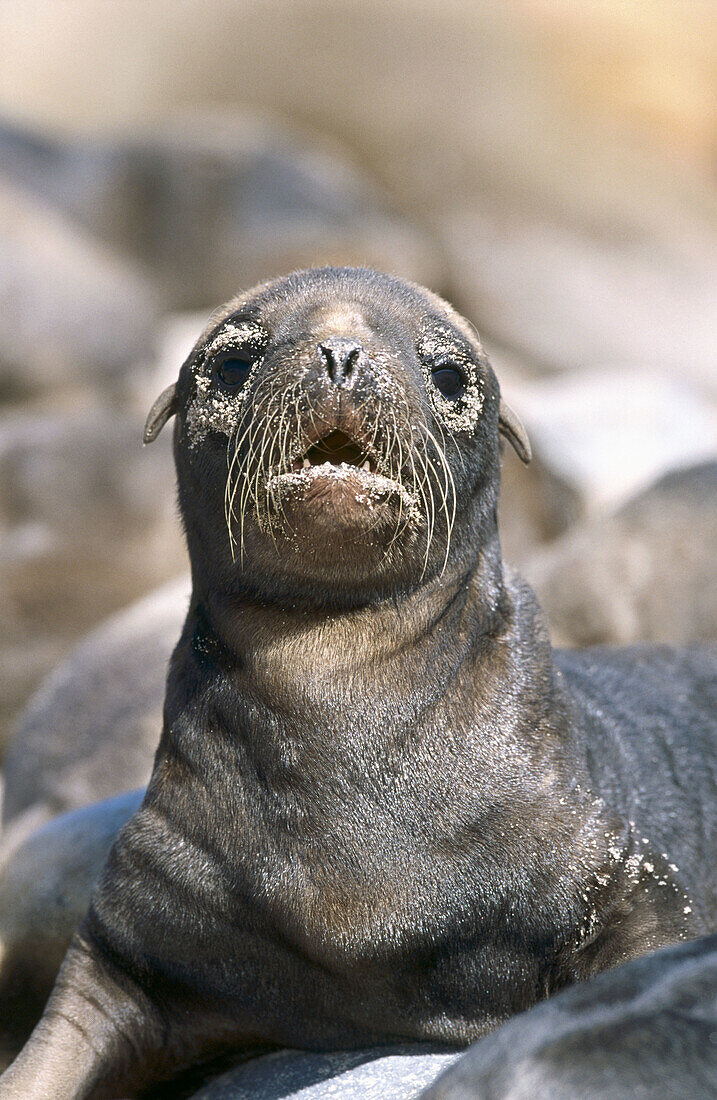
[
  {"x": 574, "y": 231},
  {"x": 88, "y": 523},
  {"x": 443, "y": 100},
  {"x": 645, "y": 573},
  {"x": 567, "y": 296},
  {"x": 611, "y": 431},
  {"x": 382, "y": 1073},
  {"x": 72, "y": 314},
  {"x": 45, "y": 885},
  {"x": 217, "y": 203},
  {"x": 536, "y": 506}
]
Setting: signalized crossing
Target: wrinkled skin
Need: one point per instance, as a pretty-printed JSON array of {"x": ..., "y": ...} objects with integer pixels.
[{"x": 380, "y": 811}]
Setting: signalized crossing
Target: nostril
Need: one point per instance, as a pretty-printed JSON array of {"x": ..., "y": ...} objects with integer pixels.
[
  {"x": 328, "y": 356},
  {"x": 340, "y": 356}
]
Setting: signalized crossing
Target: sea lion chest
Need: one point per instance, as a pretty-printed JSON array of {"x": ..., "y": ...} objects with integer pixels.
[{"x": 346, "y": 916}]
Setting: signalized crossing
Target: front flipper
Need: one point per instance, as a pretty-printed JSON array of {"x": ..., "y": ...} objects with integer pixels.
[{"x": 95, "y": 1038}]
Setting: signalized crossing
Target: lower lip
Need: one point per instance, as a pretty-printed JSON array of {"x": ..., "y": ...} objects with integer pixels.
[{"x": 375, "y": 485}]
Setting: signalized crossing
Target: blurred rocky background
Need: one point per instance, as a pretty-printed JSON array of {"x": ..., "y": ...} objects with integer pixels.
[{"x": 548, "y": 165}]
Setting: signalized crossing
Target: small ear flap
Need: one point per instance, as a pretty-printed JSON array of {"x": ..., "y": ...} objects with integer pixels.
[
  {"x": 164, "y": 407},
  {"x": 510, "y": 426}
]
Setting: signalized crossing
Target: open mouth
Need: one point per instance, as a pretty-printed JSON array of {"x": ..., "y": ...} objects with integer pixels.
[
  {"x": 337, "y": 459},
  {"x": 335, "y": 449}
]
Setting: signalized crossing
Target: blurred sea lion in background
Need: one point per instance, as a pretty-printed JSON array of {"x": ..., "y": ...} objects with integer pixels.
[
  {"x": 646, "y": 1029},
  {"x": 645, "y": 573},
  {"x": 91, "y": 730}
]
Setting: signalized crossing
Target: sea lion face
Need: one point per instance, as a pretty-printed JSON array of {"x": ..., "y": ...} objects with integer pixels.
[{"x": 337, "y": 430}]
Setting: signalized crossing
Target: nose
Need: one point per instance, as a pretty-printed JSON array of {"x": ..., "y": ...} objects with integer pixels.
[{"x": 340, "y": 356}]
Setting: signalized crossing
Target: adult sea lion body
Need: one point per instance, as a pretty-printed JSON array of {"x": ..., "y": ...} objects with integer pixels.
[{"x": 380, "y": 810}]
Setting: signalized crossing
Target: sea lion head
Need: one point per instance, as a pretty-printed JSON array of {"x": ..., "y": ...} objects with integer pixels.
[{"x": 336, "y": 440}]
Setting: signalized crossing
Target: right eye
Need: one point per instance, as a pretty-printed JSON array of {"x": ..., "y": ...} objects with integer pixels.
[
  {"x": 449, "y": 381},
  {"x": 233, "y": 370}
]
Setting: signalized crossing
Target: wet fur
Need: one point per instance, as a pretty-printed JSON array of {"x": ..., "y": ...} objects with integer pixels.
[{"x": 380, "y": 809}]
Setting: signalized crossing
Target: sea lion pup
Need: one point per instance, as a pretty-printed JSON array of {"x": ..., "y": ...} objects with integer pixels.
[{"x": 379, "y": 811}]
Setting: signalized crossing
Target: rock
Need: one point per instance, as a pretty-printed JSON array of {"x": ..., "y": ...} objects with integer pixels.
[
  {"x": 644, "y": 574},
  {"x": 92, "y": 729},
  {"x": 646, "y": 1029},
  {"x": 610, "y": 432},
  {"x": 88, "y": 523},
  {"x": 433, "y": 95},
  {"x": 579, "y": 227},
  {"x": 221, "y": 202},
  {"x": 571, "y": 297},
  {"x": 45, "y": 885},
  {"x": 567, "y": 238},
  {"x": 381, "y": 1073},
  {"x": 72, "y": 314}
]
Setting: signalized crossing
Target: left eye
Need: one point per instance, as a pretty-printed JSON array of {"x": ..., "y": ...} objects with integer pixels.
[
  {"x": 233, "y": 370},
  {"x": 449, "y": 381}
]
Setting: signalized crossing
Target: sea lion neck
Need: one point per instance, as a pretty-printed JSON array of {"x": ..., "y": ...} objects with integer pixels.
[{"x": 284, "y": 644}]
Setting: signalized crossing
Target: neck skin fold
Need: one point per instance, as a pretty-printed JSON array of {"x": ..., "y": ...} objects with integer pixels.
[{"x": 286, "y": 648}]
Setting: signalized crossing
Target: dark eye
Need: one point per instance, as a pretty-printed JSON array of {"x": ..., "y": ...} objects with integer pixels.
[
  {"x": 233, "y": 370},
  {"x": 449, "y": 381}
]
